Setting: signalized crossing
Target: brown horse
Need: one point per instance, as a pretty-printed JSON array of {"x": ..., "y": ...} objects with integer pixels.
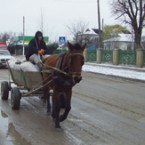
[{"x": 65, "y": 72}]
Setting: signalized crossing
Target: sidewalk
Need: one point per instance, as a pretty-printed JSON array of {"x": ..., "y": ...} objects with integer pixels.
[{"x": 129, "y": 72}]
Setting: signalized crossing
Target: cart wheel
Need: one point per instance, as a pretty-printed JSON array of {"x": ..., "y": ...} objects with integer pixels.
[
  {"x": 15, "y": 98},
  {"x": 4, "y": 90}
]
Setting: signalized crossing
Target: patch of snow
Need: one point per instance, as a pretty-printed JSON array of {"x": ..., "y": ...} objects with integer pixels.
[{"x": 120, "y": 71}]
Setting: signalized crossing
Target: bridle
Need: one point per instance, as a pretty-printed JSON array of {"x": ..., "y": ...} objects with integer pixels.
[
  {"x": 75, "y": 75},
  {"x": 70, "y": 55}
]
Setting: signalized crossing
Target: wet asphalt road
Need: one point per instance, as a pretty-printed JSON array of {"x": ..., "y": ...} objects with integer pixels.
[{"x": 105, "y": 111}]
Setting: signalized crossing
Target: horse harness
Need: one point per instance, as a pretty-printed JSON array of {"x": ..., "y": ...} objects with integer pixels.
[{"x": 61, "y": 66}]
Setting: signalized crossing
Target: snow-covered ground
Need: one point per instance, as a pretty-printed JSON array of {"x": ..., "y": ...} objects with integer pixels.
[{"x": 121, "y": 71}]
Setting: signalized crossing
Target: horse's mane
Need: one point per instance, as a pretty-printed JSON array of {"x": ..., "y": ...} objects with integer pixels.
[{"x": 79, "y": 45}]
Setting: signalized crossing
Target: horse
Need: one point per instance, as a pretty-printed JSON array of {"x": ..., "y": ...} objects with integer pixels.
[{"x": 64, "y": 73}]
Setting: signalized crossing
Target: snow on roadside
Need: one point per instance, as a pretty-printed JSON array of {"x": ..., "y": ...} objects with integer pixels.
[{"x": 126, "y": 72}]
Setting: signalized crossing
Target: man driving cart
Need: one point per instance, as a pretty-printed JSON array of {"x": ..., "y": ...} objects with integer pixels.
[{"x": 36, "y": 49}]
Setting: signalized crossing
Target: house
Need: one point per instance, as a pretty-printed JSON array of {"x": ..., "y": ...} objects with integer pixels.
[
  {"x": 91, "y": 37},
  {"x": 122, "y": 41}
]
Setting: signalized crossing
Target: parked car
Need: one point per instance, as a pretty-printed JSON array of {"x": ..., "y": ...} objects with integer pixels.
[{"x": 4, "y": 57}]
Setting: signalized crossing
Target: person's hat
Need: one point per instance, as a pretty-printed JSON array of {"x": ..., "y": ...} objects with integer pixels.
[{"x": 38, "y": 33}]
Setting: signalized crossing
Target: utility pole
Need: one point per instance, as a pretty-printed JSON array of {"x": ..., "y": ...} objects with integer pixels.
[
  {"x": 41, "y": 21},
  {"x": 23, "y": 35},
  {"x": 99, "y": 24}
]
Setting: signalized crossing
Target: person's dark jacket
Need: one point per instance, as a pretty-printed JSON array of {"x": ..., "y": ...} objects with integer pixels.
[{"x": 35, "y": 45}]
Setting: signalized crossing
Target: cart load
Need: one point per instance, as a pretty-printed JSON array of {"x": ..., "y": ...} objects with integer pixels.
[{"x": 25, "y": 74}]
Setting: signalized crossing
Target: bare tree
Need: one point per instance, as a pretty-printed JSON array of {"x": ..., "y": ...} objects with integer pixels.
[
  {"x": 4, "y": 37},
  {"x": 131, "y": 12},
  {"x": 77, "y": 29},
  {"x": 7, "y": 37}
]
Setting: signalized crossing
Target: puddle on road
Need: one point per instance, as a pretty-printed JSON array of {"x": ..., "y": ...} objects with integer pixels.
[{"x": 8, "y": 133}]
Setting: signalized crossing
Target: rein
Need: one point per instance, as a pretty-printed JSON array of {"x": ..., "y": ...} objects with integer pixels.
[{"x": 55, "y": 68}]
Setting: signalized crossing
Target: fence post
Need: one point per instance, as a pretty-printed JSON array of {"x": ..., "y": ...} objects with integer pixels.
[
  {"x": 99, "y": 55},
  {"x": 85, "y": 54},
  {"x": 115, "y": 56},
  {"x": 139, "y": 58}
]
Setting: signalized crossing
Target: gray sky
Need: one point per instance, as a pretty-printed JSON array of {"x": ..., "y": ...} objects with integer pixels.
[{"x": 57, "y": 14}]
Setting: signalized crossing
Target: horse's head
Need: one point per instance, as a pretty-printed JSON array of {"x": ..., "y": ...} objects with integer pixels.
[{"x": 75, "y": 61}]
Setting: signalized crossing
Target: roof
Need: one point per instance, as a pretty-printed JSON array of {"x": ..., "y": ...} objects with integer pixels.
[{"x": 90, "y": 31}]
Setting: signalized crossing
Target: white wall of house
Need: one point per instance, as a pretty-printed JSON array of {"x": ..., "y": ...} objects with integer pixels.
[{"x": 122, "y": 41}]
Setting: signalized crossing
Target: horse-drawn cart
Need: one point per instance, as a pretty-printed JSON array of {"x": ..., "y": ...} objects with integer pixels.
[
  {"x": 66, "y": 70},
  {"x": 22, "y": 83}
]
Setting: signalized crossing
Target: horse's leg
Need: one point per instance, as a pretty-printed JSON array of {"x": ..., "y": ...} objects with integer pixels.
[
  {"x": 53, "y": 107},
  {"x": 48, "y": 104},
  {"x": 56, "y": 109},
  {"x": 46, "y": 94},
  {"x": 67, "y": 98},
  {"x": 46, "y": 97}
]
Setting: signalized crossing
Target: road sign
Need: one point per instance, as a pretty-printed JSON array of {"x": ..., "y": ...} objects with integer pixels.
[{"x": 62, "y": 39}]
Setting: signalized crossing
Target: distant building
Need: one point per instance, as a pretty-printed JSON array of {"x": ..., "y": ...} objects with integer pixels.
[
  {"x": 122, "y": 41},
  {"x": 19, "y": 40},
  {"x": 91, "y": 37}
]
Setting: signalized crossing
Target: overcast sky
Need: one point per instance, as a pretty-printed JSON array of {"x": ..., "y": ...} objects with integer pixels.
[{"x": 57, "y": 14}]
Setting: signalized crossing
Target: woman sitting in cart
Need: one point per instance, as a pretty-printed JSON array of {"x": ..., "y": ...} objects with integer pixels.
[{"x": 36, "y": 49}]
